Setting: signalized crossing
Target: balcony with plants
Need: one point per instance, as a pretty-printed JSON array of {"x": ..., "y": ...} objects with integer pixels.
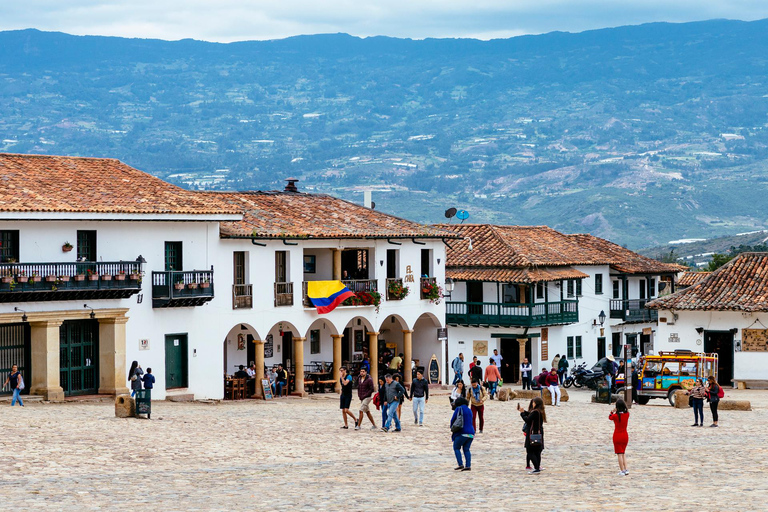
[
  {"x": 32, "y": 282},
  {"x": 178, "y": 289},
  {"x": 512, "y": 315}
]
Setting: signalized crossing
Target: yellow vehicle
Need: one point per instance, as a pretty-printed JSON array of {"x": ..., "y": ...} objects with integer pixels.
[{"x": 663, "y": 374}]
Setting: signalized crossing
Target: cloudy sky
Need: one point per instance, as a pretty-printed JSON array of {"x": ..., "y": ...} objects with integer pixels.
[{"x": 237, "y": 20}]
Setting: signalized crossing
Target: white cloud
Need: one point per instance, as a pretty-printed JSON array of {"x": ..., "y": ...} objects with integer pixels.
[{"x": 237, "y": 20}]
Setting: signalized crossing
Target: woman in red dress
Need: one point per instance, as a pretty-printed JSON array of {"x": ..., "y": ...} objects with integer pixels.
[{"x": 620, "y": 418}]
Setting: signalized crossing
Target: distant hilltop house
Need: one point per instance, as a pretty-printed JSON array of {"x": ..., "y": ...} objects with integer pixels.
[
  {"x": 102, "y": 264},
  {"x": 533, "y": 292},
  {"x": 725, "y": 312}
]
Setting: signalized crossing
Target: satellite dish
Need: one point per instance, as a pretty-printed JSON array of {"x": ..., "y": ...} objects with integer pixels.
[
  {"x": 463, "y": 215},
  {"x": 450, "y": 212},
  {"x": 373, "y": 205}
]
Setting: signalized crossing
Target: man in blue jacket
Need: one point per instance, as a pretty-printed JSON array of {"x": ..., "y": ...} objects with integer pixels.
[{"x": 458, "y": 368}]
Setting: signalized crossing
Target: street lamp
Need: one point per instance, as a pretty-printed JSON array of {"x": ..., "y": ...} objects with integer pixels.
[
  {"x": 449, "y": 285},
  {"x": 601, "y": 317}
]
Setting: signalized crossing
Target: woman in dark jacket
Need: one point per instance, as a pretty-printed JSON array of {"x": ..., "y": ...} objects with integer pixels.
[
  {"x": 134, "y": 377},
  {"x": 713, "y": 392},
  {"x": 535, "y": 419},
  {"x": 382, "y": 399},
  {"x": 462, "y": 439}
]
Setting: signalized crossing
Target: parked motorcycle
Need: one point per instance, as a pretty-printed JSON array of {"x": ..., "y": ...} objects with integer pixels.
[
  {"x": 569, "y": 380},
  {"x": 589, "y": 378}
]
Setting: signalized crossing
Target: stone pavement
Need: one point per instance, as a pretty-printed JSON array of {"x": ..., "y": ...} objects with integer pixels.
[{"x": 291, "y": 455}]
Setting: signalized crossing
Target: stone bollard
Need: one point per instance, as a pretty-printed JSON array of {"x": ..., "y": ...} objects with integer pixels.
[
  {"x": 528, "y": 394},
  {"x": 681, "y": 400},
  {"x": 734, "y": 405},
  {"x": 503, "y": 395},
  {"x": 125, "y": 406}
]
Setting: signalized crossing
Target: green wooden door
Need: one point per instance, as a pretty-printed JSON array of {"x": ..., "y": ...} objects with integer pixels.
[
  {"x": 79, "y": 357},
  {"x": 14, "y": 350},
  {"x": 175, "y": 361},
  {"x": 173, "y": 256}
]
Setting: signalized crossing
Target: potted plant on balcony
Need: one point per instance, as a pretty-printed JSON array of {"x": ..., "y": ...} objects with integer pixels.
[
  {"x": 93, "y": 275},
  {"x": 7, "y": 277},
  {"x": 21, "y": 277},
  {"x": 432, "y": 292},
  {"x": 52, "y": 278},
  {"x": 106, "y": 277},
  {"x": 179, "y": 285},
  {"x": 80, "y": 277},
  {"x": 63, "y": 279},
  {"x": 67, "y": 247},
  {"x": 120, "y": 276},
  {"x": 364, "y": 299},
  {"x": 192, "y": 285},
  {"x": 34, "y": 278},
  {"x": 206, "y": 283},
  {"x": 134, "y": 276},
  {"x": 397, "y": 291}
]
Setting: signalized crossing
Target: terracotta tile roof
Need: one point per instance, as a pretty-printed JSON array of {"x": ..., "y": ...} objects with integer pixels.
[
  {"x": 540, "y": 246},
  {"x": 514, "y": 275},
  {"x": 62, "y": 184},
  {"x": 739, "y": 285},
  {"x": 299, "y": 215},
  {"x": 691, "y": 278}
]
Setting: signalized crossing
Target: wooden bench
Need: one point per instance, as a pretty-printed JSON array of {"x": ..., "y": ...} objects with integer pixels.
[{"x": 322, "y": 384}]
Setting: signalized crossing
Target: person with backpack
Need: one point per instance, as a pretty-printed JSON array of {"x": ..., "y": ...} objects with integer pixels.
[
  {"x": 562, "y": 369},
  {"x": 17, "y": 385},
  {"x": 620, "y": 417},
  {"x": 714, "y": 394},
  {"x": 458, "y": 368},
  {"x": 462, "y": 433},
  {"x": 134, "y": 376}
]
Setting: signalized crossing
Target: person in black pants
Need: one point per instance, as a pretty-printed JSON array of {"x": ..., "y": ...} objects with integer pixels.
[
  {"x": 526, "y": 372},
  {"x": 713, "y": 390},
  {"x": 534, "y": 419}
]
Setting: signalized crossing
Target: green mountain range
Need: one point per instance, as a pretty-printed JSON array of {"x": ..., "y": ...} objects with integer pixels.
[{"x": 639, "y": 134}]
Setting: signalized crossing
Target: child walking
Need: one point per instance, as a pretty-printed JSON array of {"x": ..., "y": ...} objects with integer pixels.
[{"x": 620, "y": 418}]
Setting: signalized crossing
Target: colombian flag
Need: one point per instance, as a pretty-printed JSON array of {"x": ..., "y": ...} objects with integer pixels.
[{"x": 326, "y": 295}]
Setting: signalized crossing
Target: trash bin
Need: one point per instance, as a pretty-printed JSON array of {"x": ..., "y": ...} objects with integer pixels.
[
  {"x": 144, "y": 402},
  {"x": 602, "y": 395}
]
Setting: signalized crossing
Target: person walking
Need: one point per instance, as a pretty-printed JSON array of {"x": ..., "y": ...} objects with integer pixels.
[
  {"x": 17, "y": 385},
  {"x": 534, "y": 437},
  {"x": 365, "y": 394},
  {"x": 714, "y": 393},
  {"x": 524, "y": 415},
  {"x": 420, "y": 396},
  {"x": 477, "y": 398},
  {"x": 492, "y": 377},
  {"x": 498, "y": 358},
  {"x": 476, "y": 373},
  {"x": 394, "y": 392},
  {"x": 526, "y": 372},
  {"x": 620, "y": 417},
  {"x": 459, "y": 390},
  {"x": 698, "y": 393},
  {"x": 556, "y": 362},
  {"x": 562, "y": 369},
  {"x": 399, "y": 379},
  {"x": 553, "y": 384},
  {"x": 345, "y": 399},
  {"x": 134, "y": 376},
  {"x": 463, "y": 436},
  {"x": 458, "y": 368},
  {"x": 382, "y": 399}
]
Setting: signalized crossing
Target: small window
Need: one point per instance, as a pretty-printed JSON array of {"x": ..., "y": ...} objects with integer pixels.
[
  {"x": 616, "y": 290},
  {"x": 540, "y": 290},
  {"x": 598, "y": 284},
  {"x": 314, "y": 341},
  {"x": 652, "y": 287},
  {"x": 578, "y": 346},
  {"x": 570, "y": 347},
  {"x": 570, "y": 288},
  {"x": 642, "y": 289},
  {"x": 510, "y": 294},
  {"x": 578, "y": 287},
  {"x": 281, "y": 266},
  {"x": 9, "y": 246}
]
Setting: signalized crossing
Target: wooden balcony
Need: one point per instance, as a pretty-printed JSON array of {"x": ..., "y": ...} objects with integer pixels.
[
  {"x": 394, "y": 282},
  {"x": 354, "y": 285},
  {"x": 633, "y": 310},
  {"x": 283, "y": 294},
  {"x": 512, "y": 315},
  {"x": 242, "y": 296},
  {"x": 180, "y": 289},
  {"x": 32, "y": 282}
]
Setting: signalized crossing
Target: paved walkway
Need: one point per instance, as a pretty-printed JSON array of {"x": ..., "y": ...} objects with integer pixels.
[{"x": 291, "y": 455}]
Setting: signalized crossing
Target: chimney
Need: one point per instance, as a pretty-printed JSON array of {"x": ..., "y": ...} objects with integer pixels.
[
  {"x": 367, "y": 198},
  {"x": 291, "y": 186}
]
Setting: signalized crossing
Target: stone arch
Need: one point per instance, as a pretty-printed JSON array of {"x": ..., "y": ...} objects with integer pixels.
[
  {"x": 238, "y": 347},
  {"x": 426, "y": 344}
]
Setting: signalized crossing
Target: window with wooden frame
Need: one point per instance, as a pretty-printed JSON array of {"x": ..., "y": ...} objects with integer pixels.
[
  {"x": 9, "y": 245},
  {"x": 314, "y": 341},
  {"x": 598, "y": 284}
]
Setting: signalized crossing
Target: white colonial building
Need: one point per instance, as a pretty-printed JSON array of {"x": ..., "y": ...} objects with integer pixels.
[
  {"x": 534, "y": 292},
  {"x": 725, "y": 312},
  {"x": 102, "y": 264}
]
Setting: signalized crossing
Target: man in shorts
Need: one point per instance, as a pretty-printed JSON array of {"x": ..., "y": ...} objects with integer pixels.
[
  {"x": 346, "y": 397},
  {"x": 365, "y": 394}
]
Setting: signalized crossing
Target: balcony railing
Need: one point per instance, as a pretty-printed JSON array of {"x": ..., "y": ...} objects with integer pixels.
[
  {"x": 283, "y": 294},
  {"x": 242, "y": 296},
  {"x": 23, "y": 282},
  {"x": 633, "y": 310},
  {"x": 355, "y": 285},
  {"x": 512, "y": 315},
  {"x": 174, "y": 289},
  {"x": 425, "y": 283},
  {"x": 393, "y": 283}
]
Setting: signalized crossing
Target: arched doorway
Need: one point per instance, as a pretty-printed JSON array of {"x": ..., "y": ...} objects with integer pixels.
[
  {"x": 239, "y": 347},
  {"x": 395, "y": 339},
  {"x": 428, "y": 346}
]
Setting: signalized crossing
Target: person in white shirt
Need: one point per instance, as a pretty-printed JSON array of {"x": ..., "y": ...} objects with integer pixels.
[
  {"x": 251, "y": 371},
  {"x": 525, "y": 373}
]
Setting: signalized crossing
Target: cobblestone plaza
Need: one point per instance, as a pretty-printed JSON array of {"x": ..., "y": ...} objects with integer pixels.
[{"x": 290, "y": 454}]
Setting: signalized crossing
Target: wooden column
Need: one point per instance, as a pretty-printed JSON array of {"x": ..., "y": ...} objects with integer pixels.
[
  {"x": 45, "y": 360},
  {"x": 337, "y": 360},
  {"x": 298, "y": 358},
  {"x": 373, "y": 353},
  {"x": 522, "y": 342},
  {"x": 407, "y": 355},
  {"x": 259, "y": 362},
  {"x": 336, "y": 264},
  {"x": 113, "y": 373}
]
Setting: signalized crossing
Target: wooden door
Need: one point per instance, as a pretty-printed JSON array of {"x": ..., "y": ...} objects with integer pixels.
[
  {"x": 176, "y": 361},
  {"x": 79, "y": 357}
]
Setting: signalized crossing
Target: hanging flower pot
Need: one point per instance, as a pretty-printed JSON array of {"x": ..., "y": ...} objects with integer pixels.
[
  {"x": 106, "y": 277},
  {"x": 119, "y": 277},
  {"x": 179, "y": 286},
  {"x": 192, "y": 286},
  {"x": 134, "y": 277},
  {"x": 93, "y": 277},
  {"x": 67, "y": 247},
  {"x": 22, "y": 279},
  {"x": 205, "y": 285},
  {"x": 80, "y": 277},
  {"x": 63, "y": 279},
  {"x": 7, "y": 279},
  {"x": 51, "y": 279}
]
